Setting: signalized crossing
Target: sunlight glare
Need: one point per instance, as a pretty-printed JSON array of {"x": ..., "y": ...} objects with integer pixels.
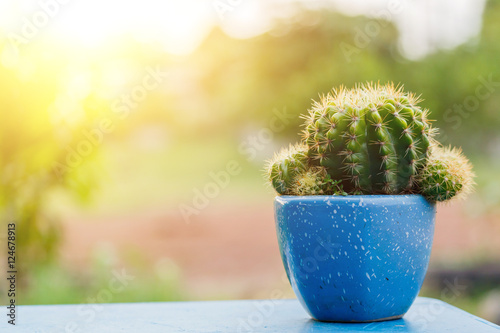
[{"x": 178, "y": 25}]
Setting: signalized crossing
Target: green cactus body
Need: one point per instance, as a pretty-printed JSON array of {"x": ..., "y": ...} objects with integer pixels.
[
  {"x": 283, "y": 169},
  {"x": 372, "y": 138},
  {"x": 447, "y": 174}
]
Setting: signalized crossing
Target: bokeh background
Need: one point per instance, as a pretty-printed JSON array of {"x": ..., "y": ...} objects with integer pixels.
[{"x": 133, "y": 136}]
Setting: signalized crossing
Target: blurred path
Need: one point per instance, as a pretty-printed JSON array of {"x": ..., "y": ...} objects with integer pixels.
[
  {"x": 233, "y": 249},
  {"x": 227, "y": 249}
]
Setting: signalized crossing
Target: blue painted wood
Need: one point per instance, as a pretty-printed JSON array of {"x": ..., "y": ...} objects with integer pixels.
[{"x": 426, "y": 315}]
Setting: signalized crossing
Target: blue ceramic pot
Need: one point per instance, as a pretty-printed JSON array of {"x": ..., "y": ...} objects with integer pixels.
[{"x": 355, "y": 258}]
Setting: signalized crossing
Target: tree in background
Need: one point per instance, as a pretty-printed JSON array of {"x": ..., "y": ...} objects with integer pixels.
[{"x": 41, "y": 147}]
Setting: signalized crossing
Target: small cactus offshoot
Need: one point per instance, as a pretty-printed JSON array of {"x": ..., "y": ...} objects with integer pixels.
[
  {"x": 373, "y": 139},
  {"x": 447, "y": 174},
  {"x": 286, "y": 166}
]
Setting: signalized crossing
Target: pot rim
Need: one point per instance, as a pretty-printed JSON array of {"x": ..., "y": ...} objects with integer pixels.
[{"x": 351, "y": 198}]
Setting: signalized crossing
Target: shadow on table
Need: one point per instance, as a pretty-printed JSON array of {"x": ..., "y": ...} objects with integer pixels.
[{"x": 398, "y": 325}]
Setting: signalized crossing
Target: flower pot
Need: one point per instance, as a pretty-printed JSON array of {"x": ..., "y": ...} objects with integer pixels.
[{"x": 356, "y": 258}]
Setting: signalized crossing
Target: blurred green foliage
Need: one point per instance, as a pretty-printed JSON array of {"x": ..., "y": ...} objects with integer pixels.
[
  {"x": 33, "y": 153},
  {"x": 105, "y": 281},
  {"x": 211, "y": 98},
  {"x": 247, "y": 78}
]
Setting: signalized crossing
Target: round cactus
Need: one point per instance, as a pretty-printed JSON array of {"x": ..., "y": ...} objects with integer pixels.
[
  {"x": 286, "y": 166},
  {"x": 373, "y": 138},
  {"x": 447, "y": 174}
]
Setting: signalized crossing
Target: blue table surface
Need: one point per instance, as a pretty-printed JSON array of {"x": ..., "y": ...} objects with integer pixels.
[{"x": 426, "y": 315}]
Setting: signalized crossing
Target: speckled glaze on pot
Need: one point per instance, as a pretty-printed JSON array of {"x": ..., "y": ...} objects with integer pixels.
[{"x": 355, "y": 258}]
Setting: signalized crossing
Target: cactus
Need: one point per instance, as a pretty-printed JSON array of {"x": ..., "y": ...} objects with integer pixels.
[
  {"x": 447, "y": 174},
  {"x": 316, "y": 181},
  {"x": 286, "y": 166},
  {"x": 373, "y": 138}
]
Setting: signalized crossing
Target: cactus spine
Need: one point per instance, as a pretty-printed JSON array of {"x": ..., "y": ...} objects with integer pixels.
[{"x": 316, "y": 181}]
